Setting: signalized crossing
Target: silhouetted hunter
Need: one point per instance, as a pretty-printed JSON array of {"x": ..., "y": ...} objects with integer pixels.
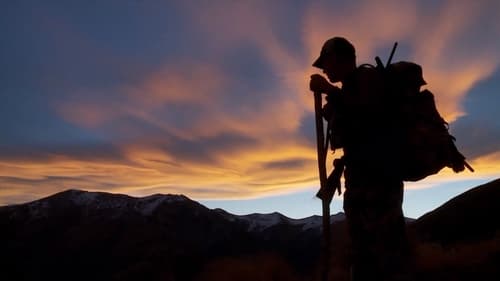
[{"x": 390, "y": 131}]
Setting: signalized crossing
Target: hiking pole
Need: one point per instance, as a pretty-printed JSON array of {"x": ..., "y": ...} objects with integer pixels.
[{"x": 320, "y": 143}]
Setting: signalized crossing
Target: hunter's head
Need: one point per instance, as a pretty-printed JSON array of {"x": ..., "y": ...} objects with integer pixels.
[{"x": 337, "y": 59}]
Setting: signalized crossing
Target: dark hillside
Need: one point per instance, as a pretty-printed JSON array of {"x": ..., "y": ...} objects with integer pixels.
[
  {"x": 471, "y": 216},
  {"x": 460, "y": 240}
]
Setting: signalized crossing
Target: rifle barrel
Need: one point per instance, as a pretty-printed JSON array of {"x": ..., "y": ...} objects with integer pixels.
[
  {"x": 468, "y": 167},
  {"x": 392, "y": 54}
]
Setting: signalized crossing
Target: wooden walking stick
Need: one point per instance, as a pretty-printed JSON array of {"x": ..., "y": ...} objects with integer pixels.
[{"x": 320, "y": 143}]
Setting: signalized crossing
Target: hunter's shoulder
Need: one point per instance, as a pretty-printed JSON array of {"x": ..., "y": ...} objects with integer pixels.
[
  {"x": 367, "y": 74},
  {"x": 366, "y": 67}
]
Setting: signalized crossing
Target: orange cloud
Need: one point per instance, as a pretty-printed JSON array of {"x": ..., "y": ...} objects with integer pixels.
[
  {"x": 452, "y": 73},
  {"x": 485, "y": 167},
  {"x": 190, "y": 83},
  {"x": 146, "y": 169},
  {"x": 86, "y": 113}
]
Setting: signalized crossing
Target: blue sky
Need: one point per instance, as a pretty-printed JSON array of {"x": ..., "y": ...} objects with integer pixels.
[{"x": 210, "y": 98}]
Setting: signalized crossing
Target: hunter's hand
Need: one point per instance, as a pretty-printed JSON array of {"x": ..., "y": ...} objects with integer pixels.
[{"x": 319, "y": 84}]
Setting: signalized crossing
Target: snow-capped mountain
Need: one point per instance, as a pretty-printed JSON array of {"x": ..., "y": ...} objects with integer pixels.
[
  {"x": 260, "y": 222},
  {"x": 95, "y": 201},
  {"x": 117, "y": 205}
]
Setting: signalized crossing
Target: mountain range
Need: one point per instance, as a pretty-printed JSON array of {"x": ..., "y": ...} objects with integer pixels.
[{"x": 80, "y": 235}]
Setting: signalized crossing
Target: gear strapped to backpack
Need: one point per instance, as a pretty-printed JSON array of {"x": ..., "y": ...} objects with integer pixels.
[{"x": 425, "y": 145}]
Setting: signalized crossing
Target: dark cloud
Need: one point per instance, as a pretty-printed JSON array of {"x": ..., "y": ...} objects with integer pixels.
[
  {"x": 56, "y": 180},
  {"x": 286, "y": 182},
  {"x": 287, "y": 164},
  {"x": 48, "y": 56},
  {"x": 478, "y": 132},
  {"x": 307, "y": 129},
  {"x": 206, "y": 149},
  {"x": 252, "y": 80},
  {"x": 92, "y": 152}
]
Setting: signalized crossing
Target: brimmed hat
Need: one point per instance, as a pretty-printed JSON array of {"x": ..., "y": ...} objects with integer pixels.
[
  {"x": 335, "y": 46},
  {"x": 408, "y": 72}
]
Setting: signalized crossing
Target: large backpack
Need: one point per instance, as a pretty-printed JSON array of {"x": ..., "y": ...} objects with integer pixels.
[{"x": 424, "y": 144}]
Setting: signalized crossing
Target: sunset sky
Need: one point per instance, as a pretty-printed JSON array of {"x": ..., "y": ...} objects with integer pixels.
[{"x": 210, "y": 99}]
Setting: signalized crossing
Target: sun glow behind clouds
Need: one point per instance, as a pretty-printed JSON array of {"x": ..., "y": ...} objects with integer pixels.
[{"x": 200, "y": 126}]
